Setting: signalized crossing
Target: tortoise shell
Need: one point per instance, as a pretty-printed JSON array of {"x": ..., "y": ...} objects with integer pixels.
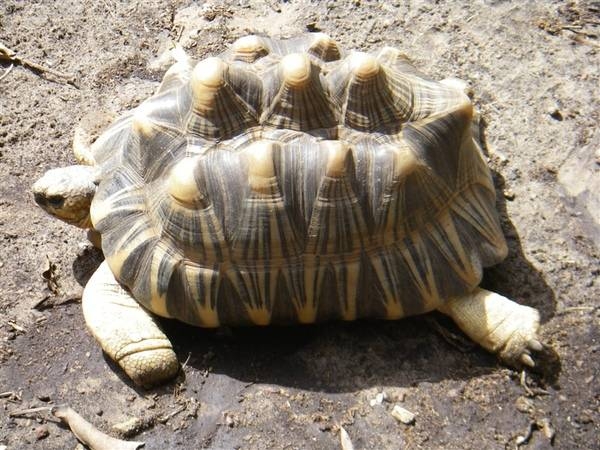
[{"x": 290, "y": 181}]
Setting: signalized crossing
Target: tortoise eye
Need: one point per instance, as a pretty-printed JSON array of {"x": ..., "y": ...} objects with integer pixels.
[{"x": 56, "y": 201}]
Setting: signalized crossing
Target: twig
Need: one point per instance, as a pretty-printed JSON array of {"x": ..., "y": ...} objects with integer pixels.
[
  {"x": 11, "y": 396},
  {"x": 524, "y": 385},
  {"x": 183, "y": 366},
  {"x": 28, "y": 411},
  {"x": 571, "y": 309},
  {"x": 90, "y": 435},
  {"x": 165, "y": 418},
  {"x": 7, "y": 72},
  {"x": 16, "y": 327},
  {"x": 81, "y": 428},
  {"x": 6, "y": 54},
  {"x": 531, "y": 392}
]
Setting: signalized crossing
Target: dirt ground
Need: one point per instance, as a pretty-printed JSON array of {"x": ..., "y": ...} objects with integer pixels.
[{"x": 534, "y": 69}]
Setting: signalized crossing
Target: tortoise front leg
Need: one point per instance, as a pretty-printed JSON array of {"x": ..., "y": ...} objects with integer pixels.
[
  {"x": 127, "y": 332},
  {"x": 497, "y": 324}
]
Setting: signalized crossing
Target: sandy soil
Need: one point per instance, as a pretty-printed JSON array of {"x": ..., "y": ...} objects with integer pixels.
[{"x": 534, "y": 69}]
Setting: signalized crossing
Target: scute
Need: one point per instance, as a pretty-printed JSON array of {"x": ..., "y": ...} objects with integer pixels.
[{"x": 289, "y": 181}]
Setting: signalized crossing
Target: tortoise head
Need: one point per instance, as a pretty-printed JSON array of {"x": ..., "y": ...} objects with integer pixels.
[{"x": 66, "y": 193}]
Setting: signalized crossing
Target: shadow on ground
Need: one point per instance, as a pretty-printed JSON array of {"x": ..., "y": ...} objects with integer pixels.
[{"x": 347, "y": 357}]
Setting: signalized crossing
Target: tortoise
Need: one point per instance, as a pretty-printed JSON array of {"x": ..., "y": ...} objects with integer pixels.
[{"x": 288, "y": 181}]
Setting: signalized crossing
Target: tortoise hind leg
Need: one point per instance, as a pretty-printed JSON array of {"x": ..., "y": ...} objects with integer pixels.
[
  {"x": 497, "y": 324},
  {"x": 126, "y": 331}
]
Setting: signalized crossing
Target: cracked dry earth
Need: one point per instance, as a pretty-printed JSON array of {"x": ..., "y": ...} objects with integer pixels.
[{"x": 534, "y": 70}]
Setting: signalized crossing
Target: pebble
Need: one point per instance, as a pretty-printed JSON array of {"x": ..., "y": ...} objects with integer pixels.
[
  {"x": 556, "y": 115},
  {"x": 44, "y": 397},
  {"x": 379, "y": 399},
  {"x": 128, "y": 427},
  {"x": 547, "y": 429},
  {"x": 524, "y": 405},
  {"x": 41, "y": 432},
  {"x": 403, "y": 415},
  {"x": 509, "y": 195},
  {"x": 229, "y": 421}
]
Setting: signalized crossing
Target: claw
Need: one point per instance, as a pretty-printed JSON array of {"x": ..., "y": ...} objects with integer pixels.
[
  {"x": 526, "y": 359},
  {"x": 535, "y": 345}
]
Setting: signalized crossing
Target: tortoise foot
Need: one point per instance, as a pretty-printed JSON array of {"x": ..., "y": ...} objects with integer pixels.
[
  {"x": 498, "y": 324},
  {"x": 127, "y": 332}
]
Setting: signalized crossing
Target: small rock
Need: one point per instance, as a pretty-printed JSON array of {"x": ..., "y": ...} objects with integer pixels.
[
  {"x": 403, "y": 415},
  {"x": 584, "y": 417},
  {"x": 130, "y": 427},
  {"x": 379, "y": 399},
  {"x": 44, "y": 397},
  {"x": 556, "y": 115},
  {"x": 229, "y": 421},
  {"x": 509, "y": 194},
  {"x": 452, "y": 393},
  {"x": 547, "y": 428},
  {"x": 41, "y": 432},
  {"x": 312, "y": 27},
  {"x": 524, "y": 405},
  {"x": 521, "y": 440}
]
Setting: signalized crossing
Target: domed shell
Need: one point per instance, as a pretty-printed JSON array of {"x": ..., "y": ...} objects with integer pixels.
[{"x": 290, "y": 181}]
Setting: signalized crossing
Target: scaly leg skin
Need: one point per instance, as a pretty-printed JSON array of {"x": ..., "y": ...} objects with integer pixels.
[
  {"x": 497, "y": 324},
  {"x": 127, "y": 332}
]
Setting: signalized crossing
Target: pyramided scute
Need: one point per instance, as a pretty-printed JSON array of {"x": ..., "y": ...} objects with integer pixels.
[
  {"x": 364, "y": 66},
  {"x": 295, "y": 97},
  {"x": 264, "y": 230},
  {"x": 208, "y": 76},
  {"x": 398, "y": 62},
  {"x": 224, "y": 99},
  {"x": 182, "y": 185},
  {"x": 296, "y": 70},
  {"x": 249, "y": 48},
  {"x": 261, "y": 171},
  {"x": 369, "y": 95},
  {"x": 324, "y": 47},
  {"x": 337, "y": 152},
  {"x": 337, "y": 224},
  {"x": 141, "y": 123}
]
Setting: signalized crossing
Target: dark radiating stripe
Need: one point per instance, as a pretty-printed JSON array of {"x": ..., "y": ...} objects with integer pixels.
[{"x": 337, "y": 225}]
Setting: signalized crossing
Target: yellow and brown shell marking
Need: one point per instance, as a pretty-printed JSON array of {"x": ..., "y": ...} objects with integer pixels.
[{"x": 290, "y": 181}]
